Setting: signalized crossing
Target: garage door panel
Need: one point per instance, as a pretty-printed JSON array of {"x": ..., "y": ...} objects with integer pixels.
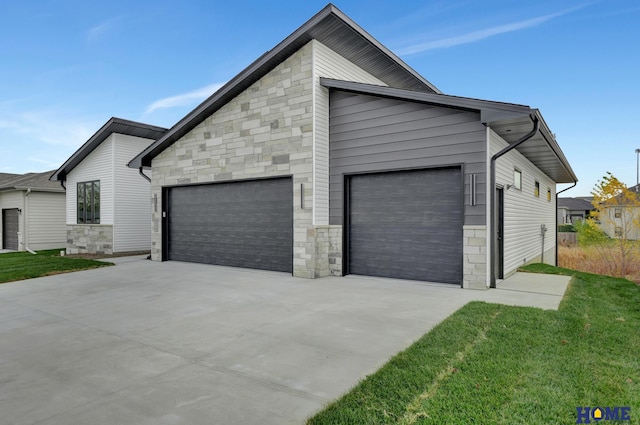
[
  {"x": 242, "y": 224},
  {"x": 407, "y": 224}
]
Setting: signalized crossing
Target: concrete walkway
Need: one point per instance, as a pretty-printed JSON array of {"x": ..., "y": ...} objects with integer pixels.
[{"x": 178, "y": 343}]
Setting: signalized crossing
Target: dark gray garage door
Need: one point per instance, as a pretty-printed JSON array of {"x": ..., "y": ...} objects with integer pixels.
[
  {"x": 10, "y": 228},
  {"x": 407, "y": 225},
  {"x": 242, "y": 224}
]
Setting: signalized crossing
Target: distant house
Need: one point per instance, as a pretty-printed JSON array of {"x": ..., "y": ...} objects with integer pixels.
[
  {"x": 622, "y": 220},
  {"x": 329, "y": 155},
  {"x": 572, "y": 209},
  {"x": 108, "y": 206},
  {"x": 32, "y": 212}
]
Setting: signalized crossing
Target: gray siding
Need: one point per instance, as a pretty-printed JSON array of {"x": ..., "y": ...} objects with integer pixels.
[{"x": 369, "y": 133}]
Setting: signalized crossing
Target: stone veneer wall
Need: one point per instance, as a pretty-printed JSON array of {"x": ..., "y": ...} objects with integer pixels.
[
  {"x": 474, "y": 250},
  {"x": 266, "y": 131},
  {"x": 90, "y": 239}
]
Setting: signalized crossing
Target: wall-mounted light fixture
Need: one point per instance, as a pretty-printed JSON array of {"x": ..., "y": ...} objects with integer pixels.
[
  {"x": 19, "y": 210},
  {"x": 472, "y": 189}
]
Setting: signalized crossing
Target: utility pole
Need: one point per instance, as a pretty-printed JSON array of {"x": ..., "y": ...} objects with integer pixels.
[{"x": 637, "y": 169}]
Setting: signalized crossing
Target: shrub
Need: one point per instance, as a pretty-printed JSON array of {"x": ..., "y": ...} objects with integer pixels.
[{"x": 566, "y": 228}]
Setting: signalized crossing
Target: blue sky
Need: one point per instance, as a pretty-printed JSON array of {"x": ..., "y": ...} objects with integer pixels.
[{"x": 66, "y": 67}]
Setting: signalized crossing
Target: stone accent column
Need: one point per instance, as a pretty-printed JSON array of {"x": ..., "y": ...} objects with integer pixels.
[{"x": 474, "y": 251}]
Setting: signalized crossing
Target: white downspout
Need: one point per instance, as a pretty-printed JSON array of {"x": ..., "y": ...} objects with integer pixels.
[{"x": 26, "y": 221}]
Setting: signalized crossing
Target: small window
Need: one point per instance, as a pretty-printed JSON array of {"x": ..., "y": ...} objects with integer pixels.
[
  {"x": 88, "y": 200},
  {"x": 618, "y": 231},
  {"x": 536, "y": 189},
  {"x": 617, "y": 213},
  {"x": 517, "y": 179},
  {"x": 548, "y": 194}
]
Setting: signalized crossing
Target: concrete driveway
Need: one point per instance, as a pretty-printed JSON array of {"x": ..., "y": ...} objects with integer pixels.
[{"x": 177, "y": 343}]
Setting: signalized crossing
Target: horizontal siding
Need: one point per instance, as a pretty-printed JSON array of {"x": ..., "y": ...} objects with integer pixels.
[
  {"x": 523, "y": 212},
  {"x": 98, "y": 165},
  {"x": 132, "y": 221},
  {"x": 328, "y": 64},
  {"x": 46, "y": 228},
  {"x": 370, "y": 133}
]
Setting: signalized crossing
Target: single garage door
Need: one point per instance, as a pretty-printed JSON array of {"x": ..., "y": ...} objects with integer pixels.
[
  {"x": 241, "y": 224},
  {"x": 407, "y": 225},
  {"x": 10, "y": 228}
]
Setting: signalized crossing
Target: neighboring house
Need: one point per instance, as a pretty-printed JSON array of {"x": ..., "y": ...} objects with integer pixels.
[
  {"x": 330, "y": 155},
  {"x": 571, "y": 210},
  {"x": 32, "y": 212},
  {"x": 108, "y": 204},
  {"x": 622, "y": 220}
]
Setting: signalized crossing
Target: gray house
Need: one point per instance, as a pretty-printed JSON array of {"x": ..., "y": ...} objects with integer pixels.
[
  {"x": 108, "y": 204},
  {"x": 329, "y": 155},
  {"x": 572, "y": 209}
]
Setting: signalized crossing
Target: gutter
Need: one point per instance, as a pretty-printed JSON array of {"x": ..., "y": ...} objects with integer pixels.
[
  {"x": 563, "y": 190},
  {"x": 26, "y": 222},
  {"x": 492, "y": 190},
  {"x": 144, "y": 175}
]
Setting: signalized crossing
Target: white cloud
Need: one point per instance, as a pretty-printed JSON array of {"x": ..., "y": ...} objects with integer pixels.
[
  {"x": 184, "y": 99},
  {"x": 99, "y": 31},
  {"x": 50, "y": 128},
  {"x": 479, "y": 35}
]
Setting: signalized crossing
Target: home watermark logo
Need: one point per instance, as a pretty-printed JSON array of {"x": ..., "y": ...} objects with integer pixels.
[{"x": 587, "y": 415}]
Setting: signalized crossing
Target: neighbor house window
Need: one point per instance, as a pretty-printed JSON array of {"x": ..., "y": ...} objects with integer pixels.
[
  {"x": 617, "y": 231},
  {"x": 617, "y": 213},
  {"x": 536, "y": 189},
  {"x": 548, "y": 194},
  {"x": 89, "y": 202},
  {"x": 517, "y": 179}
]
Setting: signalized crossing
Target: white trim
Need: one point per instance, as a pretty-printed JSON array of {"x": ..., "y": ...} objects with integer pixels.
[
  {"x": 489, "y": 219},
  {"x": 314, "y": 82}
]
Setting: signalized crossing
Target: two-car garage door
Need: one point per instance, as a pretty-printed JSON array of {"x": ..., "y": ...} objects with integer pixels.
[
  {"x": 243, "y": 224},
  {"x": 403, "y": 224}
]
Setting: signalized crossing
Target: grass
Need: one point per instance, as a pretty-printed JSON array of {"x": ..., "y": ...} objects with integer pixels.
[
  {"x": 599, "y": 259},
  {"x": 23, "y": 265},
  {"x": 495, "y": 364}
]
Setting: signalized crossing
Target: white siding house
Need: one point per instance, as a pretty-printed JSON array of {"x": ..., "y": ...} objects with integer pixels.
[
  {"x": 525, "y": 209},
  {"x": 117, "y": 218},
  {"x": 32, "y": 212}
]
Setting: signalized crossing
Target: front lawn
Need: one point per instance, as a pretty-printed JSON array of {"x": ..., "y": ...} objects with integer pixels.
[
  {"x": 23, "y": 265},
  {"x": 495, "y": 364}
]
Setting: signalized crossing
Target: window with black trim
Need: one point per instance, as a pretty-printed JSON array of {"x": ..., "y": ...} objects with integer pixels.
[
  {"x": 536, "y": 189},
  {"x": 88, "y": 201},
  {"x": 617, "y": 212},
  {"x": 617, "y": 231},
  {"x": 517, "y": 179}
]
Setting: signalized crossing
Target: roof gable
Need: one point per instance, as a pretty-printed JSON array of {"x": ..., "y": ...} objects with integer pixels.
[
  {"x": 332, "y": 28},
  {"x": 114, "y": 125}
]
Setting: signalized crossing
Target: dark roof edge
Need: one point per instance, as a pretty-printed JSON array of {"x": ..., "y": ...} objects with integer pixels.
[
  {"x": 458, "y": 102},
  {"x": 95, "y": 140},
  {"x": 553, "y": 144},
  {"x": 144, "y": 158}
]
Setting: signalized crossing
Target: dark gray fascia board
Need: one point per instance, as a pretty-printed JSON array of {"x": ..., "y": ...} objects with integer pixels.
[
  {"x": 490, "y": 111},
  {"x": 114, "y": 125},
  {"x": 553, "y": 145},
  {"x": 312, "y": 29}
]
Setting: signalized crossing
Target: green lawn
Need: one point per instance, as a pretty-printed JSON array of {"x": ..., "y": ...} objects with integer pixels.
[
  {"x": 23, "y": 265},
  {"x": 494, "y": 364}
]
